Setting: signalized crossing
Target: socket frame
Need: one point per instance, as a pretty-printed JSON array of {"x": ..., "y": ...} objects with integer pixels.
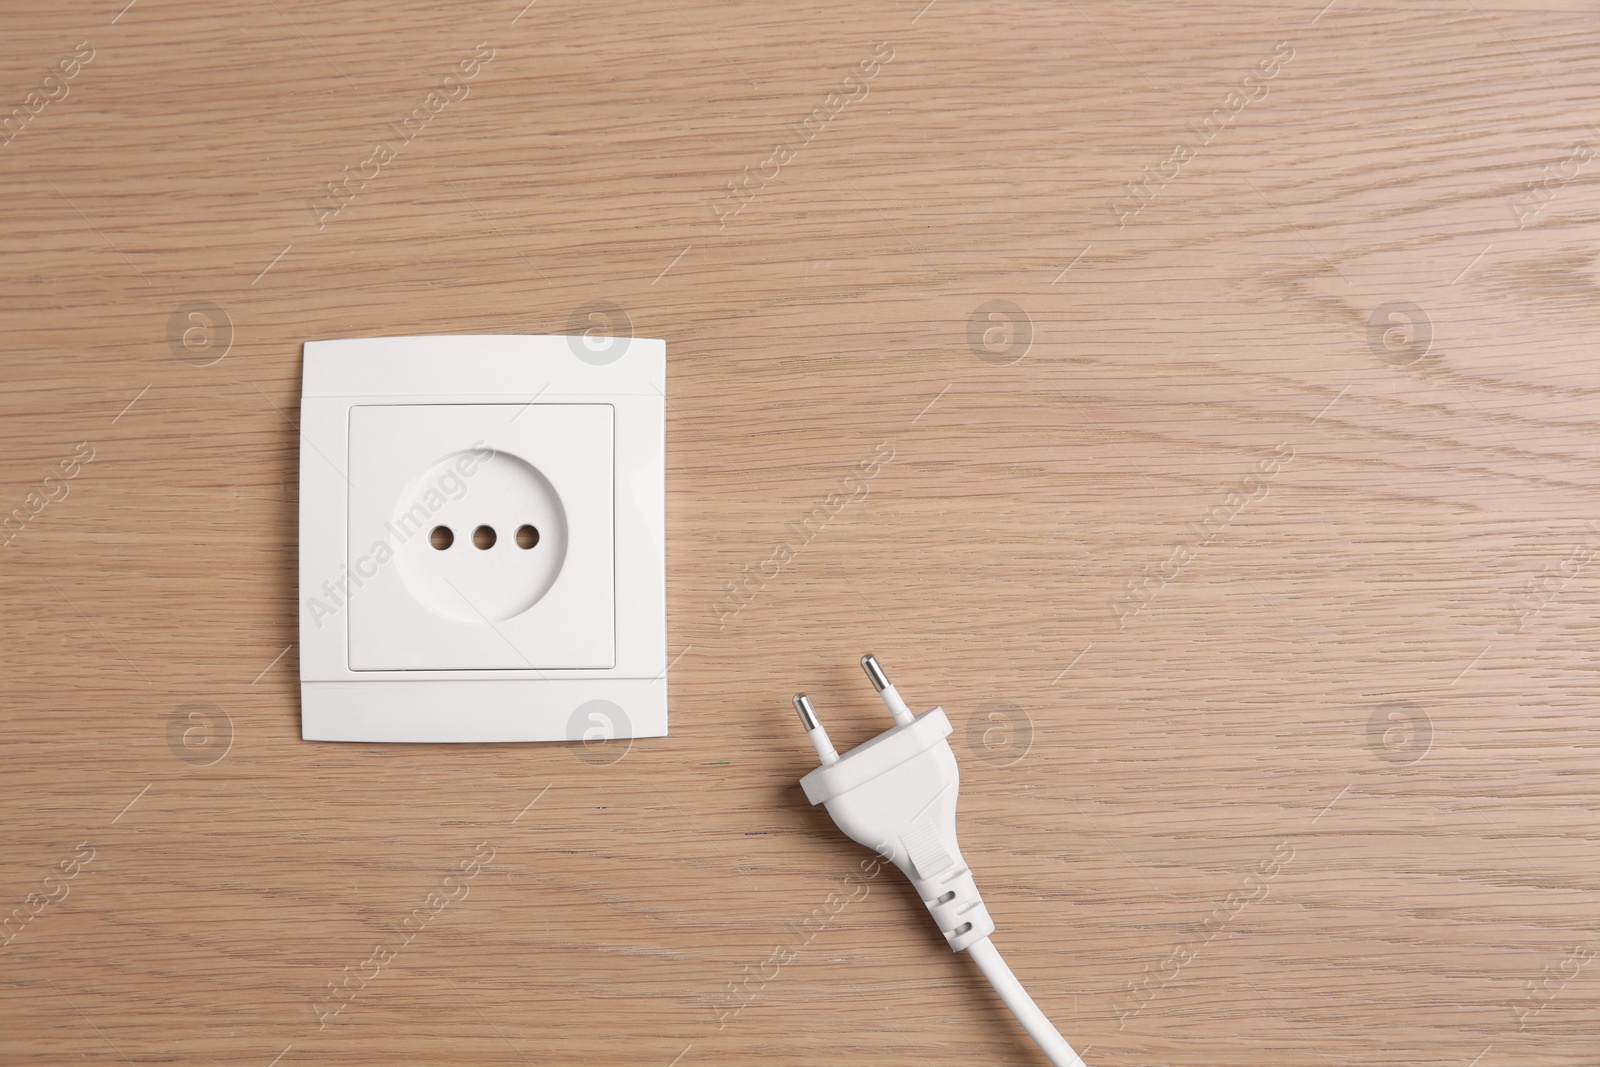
[{"x": 628, "y": 699}]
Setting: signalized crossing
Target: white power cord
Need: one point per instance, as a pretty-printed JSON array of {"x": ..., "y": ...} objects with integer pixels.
[
  {"x": 897, "y": 794},
  {"x": 1039, "y": 1027}
]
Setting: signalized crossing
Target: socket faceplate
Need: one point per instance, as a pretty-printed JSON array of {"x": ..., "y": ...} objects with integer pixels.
[
  {"x": 478, "y": 473},
  {"x": 482, "y": 539}
]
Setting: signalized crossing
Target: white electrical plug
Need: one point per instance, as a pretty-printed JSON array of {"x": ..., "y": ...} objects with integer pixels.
[{"x": 896, "y": 794}]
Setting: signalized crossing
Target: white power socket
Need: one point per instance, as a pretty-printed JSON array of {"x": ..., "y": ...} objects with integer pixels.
[{"x": 482, "y": 539}]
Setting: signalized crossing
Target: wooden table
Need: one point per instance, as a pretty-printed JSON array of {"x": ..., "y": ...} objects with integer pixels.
[{"x": 1226, "y": 375}]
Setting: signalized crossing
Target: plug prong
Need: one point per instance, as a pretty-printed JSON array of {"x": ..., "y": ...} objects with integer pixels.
[
  {"x": 815, "y": 730},
  {"x": 875, "y": 675},
  {"x": 808, "y": 714},
  {"x": 891, "y": 697}
]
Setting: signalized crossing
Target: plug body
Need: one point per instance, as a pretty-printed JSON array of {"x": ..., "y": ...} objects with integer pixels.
[{"x": 896, "y": 794}]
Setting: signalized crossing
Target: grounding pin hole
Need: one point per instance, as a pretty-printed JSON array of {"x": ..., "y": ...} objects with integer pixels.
[
  {"x": 441, "y": 538},
  {"x": 483, "y": 537},
  {"x": 527, "y": 536}
]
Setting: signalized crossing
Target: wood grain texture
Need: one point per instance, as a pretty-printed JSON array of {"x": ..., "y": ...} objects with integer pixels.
[{"x": 1269, "y": 633}]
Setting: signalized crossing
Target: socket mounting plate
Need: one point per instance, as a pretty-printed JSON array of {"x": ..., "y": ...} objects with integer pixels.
[{"x": 550, "y": 627}]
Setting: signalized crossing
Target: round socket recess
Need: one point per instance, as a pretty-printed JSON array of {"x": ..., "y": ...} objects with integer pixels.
[{"x": 479, "y": 498}]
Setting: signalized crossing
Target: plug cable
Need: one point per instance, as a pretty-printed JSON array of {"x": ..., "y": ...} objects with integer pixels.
[{"x": 896, "y": 794}]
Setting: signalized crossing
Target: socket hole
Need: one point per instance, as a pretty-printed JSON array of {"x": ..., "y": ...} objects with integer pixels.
[
  {"x": 947, "y": 898},
  {"x": 483, "y": 537},
  {"x": 962, "y": 929},
  {"x": 527, "y": 536},
  {"x": 441, "y": 538}
]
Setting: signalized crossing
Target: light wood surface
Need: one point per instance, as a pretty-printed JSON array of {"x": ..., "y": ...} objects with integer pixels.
[{"x": 1321, "y": 791}]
